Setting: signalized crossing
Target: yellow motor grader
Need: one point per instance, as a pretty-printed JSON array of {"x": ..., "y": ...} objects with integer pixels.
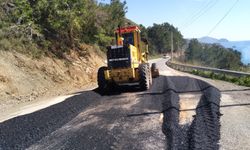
[{"x": 127, "y": 62}]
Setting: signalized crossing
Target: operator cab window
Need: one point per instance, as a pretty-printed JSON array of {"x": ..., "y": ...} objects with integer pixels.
[{"x": 128, "y": 38}]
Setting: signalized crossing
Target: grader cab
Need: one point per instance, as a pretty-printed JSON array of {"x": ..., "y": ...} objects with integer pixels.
[{"x": 127, "y": 61}]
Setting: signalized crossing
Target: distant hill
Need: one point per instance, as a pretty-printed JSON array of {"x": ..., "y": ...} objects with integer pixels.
[
  {"x": 207, "y": 39},
  {"x": 242, "y": 46}
]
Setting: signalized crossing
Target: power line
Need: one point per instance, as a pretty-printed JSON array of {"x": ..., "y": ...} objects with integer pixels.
[
  {"x": 227, "y": 13},
  {"x": 195, "y": 13},
  {"x": 203, "y": 13},
  {"x": 209, "y": 5}
]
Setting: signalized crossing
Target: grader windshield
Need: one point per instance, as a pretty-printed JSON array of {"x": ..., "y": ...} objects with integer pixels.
[
  {"x": 128, "y": 38},
  {"x": 128, "y": 35}
]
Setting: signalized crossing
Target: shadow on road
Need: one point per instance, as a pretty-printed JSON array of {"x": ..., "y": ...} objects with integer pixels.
[
  {"x": 192, "y": 109},
  {"x": 117, "y": 90}
]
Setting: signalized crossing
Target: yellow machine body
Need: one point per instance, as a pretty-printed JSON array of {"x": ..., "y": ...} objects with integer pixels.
[
  {"x": 128, "y": 75},
  {"x": 128, "y": 42}
]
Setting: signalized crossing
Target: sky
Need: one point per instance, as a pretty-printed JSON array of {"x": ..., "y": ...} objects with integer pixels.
[{"x": 195, "y": 18}]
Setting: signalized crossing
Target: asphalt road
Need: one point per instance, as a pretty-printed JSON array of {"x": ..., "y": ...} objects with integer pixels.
[{"x": 178, "y": 112}]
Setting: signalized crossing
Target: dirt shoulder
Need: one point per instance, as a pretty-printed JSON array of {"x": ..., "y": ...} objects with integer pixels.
[{"x": 23, "y": 79}]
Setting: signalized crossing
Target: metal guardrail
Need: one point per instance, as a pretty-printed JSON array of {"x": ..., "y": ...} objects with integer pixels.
[{"x": 190, "y": 68}]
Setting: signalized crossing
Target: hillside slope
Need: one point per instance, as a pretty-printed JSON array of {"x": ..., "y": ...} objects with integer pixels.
[{"x": 25, "y": 79}]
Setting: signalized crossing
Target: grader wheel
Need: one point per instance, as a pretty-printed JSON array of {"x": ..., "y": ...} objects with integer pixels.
[
  {"x": 102, "y": 83},
  {"x": 145, "y": 77},
  {"x": 154, "y": 71}
]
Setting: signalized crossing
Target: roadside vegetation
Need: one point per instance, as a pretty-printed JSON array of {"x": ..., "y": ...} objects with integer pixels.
[
  {"x": 216, "y": 56},
  {"x": 159, "y": 37},
  {"x": 55, "y": 27},
  {"x": 213, "y": 55},
  {"x": 244, "y": 81}
]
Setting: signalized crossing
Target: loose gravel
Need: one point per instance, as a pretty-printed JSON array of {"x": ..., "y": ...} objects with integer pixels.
[{"x": 204, "y": 131}]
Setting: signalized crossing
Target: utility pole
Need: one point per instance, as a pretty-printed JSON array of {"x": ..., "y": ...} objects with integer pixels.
[{"x": 172, "y": 46}]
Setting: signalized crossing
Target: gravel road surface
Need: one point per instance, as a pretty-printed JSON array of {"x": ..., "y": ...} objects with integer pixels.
[{"x": 180, "y": 111}]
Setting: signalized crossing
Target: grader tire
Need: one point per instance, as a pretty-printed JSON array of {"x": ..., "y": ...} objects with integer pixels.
[
  {"x": 102, "y": 83},
  {"x": 153, "y": 66},
  {"x": 154, "y": 71},
  {"x": 144, "y": 74}
]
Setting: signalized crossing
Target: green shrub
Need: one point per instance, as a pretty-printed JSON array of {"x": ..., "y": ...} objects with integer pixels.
[
  {"x": 212, "y": 75},
  {"x": 244, "y": 81}
]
